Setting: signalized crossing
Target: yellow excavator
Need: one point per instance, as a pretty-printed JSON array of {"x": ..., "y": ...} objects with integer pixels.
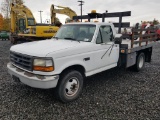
[
  {"x": 62, "y": 10},
  {"x": 21, "y": 18},
  {"x": 25, "y": 28}
]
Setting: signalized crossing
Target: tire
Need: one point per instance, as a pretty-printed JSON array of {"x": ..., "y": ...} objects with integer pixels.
[
  {"x": 140, "y": 61},
  {"x": 70, "y": 80},
  {"x": 13, "y": 41}
]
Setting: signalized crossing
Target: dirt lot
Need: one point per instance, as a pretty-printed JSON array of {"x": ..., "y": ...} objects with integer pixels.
[{"x": 116, "y": 94}]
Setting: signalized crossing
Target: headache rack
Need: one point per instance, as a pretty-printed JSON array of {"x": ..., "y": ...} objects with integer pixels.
[{"x": 120, "y": 15}]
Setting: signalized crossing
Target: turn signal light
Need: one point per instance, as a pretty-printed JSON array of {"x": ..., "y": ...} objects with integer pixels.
[
  {"x": 122, "y": 51},
  {"x": 45, "y": 69}
]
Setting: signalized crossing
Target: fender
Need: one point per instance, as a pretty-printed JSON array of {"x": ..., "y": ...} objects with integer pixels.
[{"x": 67, "y": 64}]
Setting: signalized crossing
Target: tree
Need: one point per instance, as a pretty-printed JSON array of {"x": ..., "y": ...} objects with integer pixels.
[
  {"x": 6, "y": 25},
  {"x": 155, "y": 22},
  {"x": 57, "y": 19},
  {"x": 6, "y": 6},
  {"x": 1, "y": 22},
  {"x": 6, "y": 12},
  {"x": 67, "y": 20}
]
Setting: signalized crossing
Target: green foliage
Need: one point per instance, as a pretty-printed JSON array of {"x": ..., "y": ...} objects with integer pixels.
[{"x": 155, "y": 22}]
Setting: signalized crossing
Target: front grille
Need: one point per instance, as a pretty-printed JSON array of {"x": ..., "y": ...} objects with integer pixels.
[{"x": 21, "y": 60}]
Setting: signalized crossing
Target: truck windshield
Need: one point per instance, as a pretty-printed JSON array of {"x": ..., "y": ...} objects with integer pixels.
[{"x": 77, "y": 32}]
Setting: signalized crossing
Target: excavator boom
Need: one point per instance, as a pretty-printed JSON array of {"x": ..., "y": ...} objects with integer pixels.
[{"x": 63, "y": 10}]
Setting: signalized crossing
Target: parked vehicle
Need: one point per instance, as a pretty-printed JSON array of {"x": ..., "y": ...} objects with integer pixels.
[
  {"x": 78, "y": 50},
  {"x": 4, "y": 35}
]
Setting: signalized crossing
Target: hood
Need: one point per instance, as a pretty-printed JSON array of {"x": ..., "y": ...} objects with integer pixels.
[{"x": 42, "y": 48}]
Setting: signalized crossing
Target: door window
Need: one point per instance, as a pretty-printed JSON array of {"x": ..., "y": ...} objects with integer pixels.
[{"x": 105, "y": 35}]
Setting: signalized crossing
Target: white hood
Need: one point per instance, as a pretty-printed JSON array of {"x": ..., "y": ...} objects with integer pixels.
[{"x": 42, "y": 48}]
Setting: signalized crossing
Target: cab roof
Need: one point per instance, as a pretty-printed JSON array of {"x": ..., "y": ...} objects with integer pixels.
[{"x": 91, "y": 23}]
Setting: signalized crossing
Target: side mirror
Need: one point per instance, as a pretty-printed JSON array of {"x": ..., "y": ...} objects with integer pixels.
[{"x": 118, "y": 39}]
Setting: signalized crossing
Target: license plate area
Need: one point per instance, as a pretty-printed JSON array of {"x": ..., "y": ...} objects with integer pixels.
[{"x": 15, "y": 78}]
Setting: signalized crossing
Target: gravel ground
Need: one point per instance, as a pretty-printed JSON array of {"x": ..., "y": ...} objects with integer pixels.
[{"x": 116, "y": 94}]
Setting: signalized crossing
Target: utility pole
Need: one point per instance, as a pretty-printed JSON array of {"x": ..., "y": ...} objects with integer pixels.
[
  {"x": 40, "y": 15},
  {"x": 81, "y": 3}
]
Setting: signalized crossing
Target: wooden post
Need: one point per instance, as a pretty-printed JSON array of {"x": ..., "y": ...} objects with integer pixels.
[
  {"x": 132, "y": 38},
  {"x": 140, "y": 39},
  {"x": 155, "y": 36},
  {"x": 148, "y": 37}
]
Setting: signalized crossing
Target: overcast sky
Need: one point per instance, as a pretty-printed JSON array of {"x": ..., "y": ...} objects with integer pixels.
[{"x": 140, "y": 9}]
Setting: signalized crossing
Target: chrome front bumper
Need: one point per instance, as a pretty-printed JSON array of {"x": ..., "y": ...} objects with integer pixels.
[{"x": 32, "y": 80}]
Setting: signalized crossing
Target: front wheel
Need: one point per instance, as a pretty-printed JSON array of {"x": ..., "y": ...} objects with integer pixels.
[
  {"x": 140, "y": 61},
  {"x": 70, "y": 86}
]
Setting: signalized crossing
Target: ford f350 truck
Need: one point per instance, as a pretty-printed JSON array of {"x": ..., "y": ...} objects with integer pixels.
[{"x": 78, "y": 50}]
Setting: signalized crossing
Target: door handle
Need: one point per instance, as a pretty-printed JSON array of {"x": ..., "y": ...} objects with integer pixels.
[{"x": 86, "y": 59}]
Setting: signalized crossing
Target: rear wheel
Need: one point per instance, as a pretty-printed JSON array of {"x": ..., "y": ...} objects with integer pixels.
[
  {"x": 70, "y": 86},
  {"x": 140, "y": 61}
]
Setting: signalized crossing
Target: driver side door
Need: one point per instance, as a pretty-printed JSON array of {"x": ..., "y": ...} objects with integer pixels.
[{"x": 107, "y": 53}]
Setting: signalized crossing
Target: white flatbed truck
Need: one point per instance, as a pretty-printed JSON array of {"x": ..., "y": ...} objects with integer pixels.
[{"x": 77, "y": 51}]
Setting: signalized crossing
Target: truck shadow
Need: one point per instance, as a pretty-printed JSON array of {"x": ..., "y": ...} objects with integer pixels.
[
  {"x": 95, "y": 82},
  {"x": 102, "y": 82}
]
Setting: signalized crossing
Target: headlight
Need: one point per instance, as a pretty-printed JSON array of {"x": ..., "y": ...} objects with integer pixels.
[{"x": 45, "y": 65}]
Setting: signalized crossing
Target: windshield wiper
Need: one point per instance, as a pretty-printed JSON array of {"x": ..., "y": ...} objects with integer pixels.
[
  {"x": 71, "y": 39},
  {"x": 56, "y": 38},
  {"x": 68, "y": 38}
]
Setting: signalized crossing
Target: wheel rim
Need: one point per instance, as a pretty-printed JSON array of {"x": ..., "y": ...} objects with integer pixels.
[
  {"x": 72, "y": 86},
  {"x": 141, "y": 62}
]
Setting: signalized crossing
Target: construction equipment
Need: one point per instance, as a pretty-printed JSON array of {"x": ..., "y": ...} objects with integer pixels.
[
  {"x": 28, "y": 29},
  {"x": 62, "y": 10},
  {"x": 25, "y": 28},
  {"x": 21, "y": 18}
]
